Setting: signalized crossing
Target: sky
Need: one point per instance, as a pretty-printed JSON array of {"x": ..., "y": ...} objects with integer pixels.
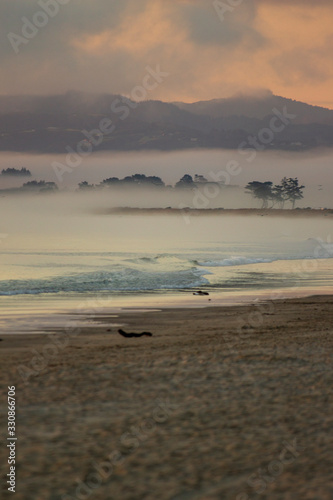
[{"x": 205, "y": 49}]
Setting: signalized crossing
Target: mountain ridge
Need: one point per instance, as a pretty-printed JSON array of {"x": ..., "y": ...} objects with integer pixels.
[{"x": 54, "y": 123}]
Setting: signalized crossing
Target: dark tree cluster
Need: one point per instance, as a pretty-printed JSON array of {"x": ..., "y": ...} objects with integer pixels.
[
  {"x": 40, "y": 186},
  {"x": 23, "y": 172},
  {"x": 137, "y": 180},
  {"x": 288, "y": 190},
  {"x": 270, "y": 195},
  {"x": 186, "y": 182},
  {"x": 130, "y": 180}
]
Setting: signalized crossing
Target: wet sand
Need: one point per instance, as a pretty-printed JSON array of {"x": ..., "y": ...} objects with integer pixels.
[{"x": 220, "y": 403}]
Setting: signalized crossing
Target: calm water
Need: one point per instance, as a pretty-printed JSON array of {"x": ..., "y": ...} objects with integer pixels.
[{"x": 55, "y": 258}]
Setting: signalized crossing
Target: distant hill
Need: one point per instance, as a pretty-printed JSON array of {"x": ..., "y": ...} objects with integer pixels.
[
  {"x": 54, "y": 123},
  {"x": 259, "y": 107}
]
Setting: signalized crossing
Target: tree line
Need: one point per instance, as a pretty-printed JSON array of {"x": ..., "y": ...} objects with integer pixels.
[
  {"x": 278, "y": 194},
  {"x": 289, "y": 189},
  {"x": 186, "y": 182},
  {"x": 23, "y": 172}
]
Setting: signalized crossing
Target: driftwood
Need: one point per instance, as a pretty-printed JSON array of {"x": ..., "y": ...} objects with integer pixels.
[{"x": 129, "y": 335}]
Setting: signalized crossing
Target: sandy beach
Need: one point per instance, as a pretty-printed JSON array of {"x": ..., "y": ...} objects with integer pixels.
[
  {"x": 220, "y": 403},
  {"x": 166, "y": 250}
]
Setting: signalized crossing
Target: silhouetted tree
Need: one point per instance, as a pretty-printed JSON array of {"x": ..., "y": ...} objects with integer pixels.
[
  {"x": 278, "y": 195},
  {"x": 85, "y": 186},
  {"x": 24, "y": 172},
  {"x": 292, "y": 191},
  {"x": 157, "y": 181},
  {"x": 135, "y": 180},
  {"x": 185, "y": 182},
  {"x": 261, "y": 190},
  {"x": 143, "y": 180},
  {"x": 41, "y": 186},
  {"x": 288, "y": 190},
  {"x": 111, "y": 181}
]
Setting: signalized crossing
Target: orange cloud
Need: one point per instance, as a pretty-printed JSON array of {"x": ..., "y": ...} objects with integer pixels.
[
  {"x": 136, "y": 36},
  {"x": 282, "y": 45},
  {"x": 300, "y": 49},
  {"x": 293, "y": 49}
]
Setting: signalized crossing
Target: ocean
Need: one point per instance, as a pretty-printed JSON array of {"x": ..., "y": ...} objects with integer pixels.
[{"x": 56, "y": 263}]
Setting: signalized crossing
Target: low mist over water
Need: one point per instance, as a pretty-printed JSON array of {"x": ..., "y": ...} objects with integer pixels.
[
  {"x": 79, "y": 221},
  {"x": 57, "y": 251},
  {"x": 312, "y": 169},
  {"x": 64, "y": 245}
]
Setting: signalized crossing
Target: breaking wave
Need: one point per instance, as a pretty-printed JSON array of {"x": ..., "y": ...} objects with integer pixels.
[{"x": 126, "y": 280}]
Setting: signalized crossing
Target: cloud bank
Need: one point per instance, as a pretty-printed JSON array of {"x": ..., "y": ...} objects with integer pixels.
[{"x": 210, "y": 49}]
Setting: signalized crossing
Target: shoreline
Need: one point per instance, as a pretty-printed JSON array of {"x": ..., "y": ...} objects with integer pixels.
[
  {"x": 89, "y": 317},
  {"x": 274, "y": 212},
  {"x": 53, "y": 316},
  {"x": 235, "y": 383}
]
